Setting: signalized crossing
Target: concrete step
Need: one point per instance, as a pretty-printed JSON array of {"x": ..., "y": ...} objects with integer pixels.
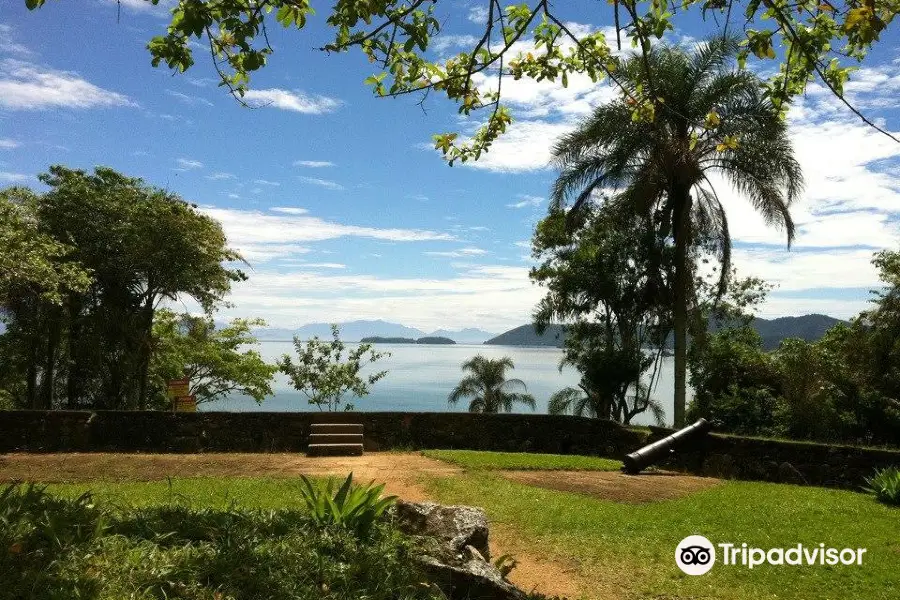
[
  {"x": 334, "y": 450},
  {"x": 315, "y": 428},
  {"x": 336, "y": 438}
]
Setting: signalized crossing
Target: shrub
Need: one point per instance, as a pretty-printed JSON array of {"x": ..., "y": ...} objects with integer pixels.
[
  {"x": 55, "y": 548},
  {"x": 353, "y": 507},
  {"x": 885, "y": 484}
]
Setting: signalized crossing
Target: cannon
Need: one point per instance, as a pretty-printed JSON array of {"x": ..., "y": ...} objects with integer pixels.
[{"x": 639, "y": 460}]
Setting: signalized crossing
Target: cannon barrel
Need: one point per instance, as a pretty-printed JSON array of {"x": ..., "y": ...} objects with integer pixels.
[{"x": 639, "y": 460}]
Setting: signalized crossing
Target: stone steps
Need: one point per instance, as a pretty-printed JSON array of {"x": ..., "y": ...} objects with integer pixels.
[{"x": 335, "y": 439}]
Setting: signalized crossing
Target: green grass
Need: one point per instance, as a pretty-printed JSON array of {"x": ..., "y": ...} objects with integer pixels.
[
  {"x": 629, "y": 549},
  {"x": 471, "y": 459},
  {"x": 58, "y": 545}
]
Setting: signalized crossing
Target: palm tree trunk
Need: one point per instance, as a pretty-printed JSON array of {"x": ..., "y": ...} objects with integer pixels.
[{"x": 682, "y": 279}]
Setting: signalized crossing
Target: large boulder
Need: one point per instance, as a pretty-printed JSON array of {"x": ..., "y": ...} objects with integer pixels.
[
  {"x": 456, "y": 555},
  {"x": 454, "y": 527}
]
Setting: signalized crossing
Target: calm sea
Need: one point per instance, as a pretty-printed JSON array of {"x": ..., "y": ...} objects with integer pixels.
[{"x": 421, "y": 376}]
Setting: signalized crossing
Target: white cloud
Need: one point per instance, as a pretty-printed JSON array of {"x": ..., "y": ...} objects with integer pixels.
[
  {"x": 325, "y": 183},
  {"x": 313, "y": 164},
  {"x": 191, "y": 100},
  {"x": 266, "y": 182},
  {"x": 186, "y": 164},
  {"x": 14, "y": 177},
  {"x": 8, "y": 44},
  {"x": 478, "y": 14},
  {"x": 472, "y": 297},
  {"x": 289, "y": 210},
  {"x": 295, "y": 101},
  {"x": 219, "y": 176},
  {"x": 461, "y": 253},
  {"x": 8, "y": 144},
  {"x": 24, "y": 86},
  {"x": 527, "y": 201},
  {"x": 524, "y": 147},
  {"x": 258, "y": 230}
]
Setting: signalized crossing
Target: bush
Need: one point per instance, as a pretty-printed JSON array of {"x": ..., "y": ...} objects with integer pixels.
[
  {"x": 54, "y": 548},
  {"x": 353, "y": 507},
  {"x": 885, "y": 484}
]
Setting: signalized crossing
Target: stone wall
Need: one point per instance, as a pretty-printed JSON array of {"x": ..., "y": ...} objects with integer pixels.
[
  {"x": 146, "y": 431},
  {"x": 784, "y": 461}
]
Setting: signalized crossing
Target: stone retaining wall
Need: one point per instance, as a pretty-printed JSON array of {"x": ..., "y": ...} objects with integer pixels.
[{"x": 152, "y": 431}]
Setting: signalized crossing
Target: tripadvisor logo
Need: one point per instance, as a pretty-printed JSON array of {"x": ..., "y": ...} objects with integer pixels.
[{"x": 696, "y": 555}]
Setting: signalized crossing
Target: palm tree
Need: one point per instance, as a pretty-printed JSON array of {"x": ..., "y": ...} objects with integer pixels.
[
  {"x": 709, "y": 119},
  {"x": 487, "y": 385},
  {"x": 579, "y": 401}
]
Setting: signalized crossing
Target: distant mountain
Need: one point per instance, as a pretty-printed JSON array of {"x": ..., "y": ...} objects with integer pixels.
[
  {"x": 375, "y": 339},
  {"x": 526, "y": 335},
  {"x": 807, "y": 327},
  {"x": 470, "y": 335},
  {"x": 351, "y": 331},
  {"x": 772, "y": 331}
]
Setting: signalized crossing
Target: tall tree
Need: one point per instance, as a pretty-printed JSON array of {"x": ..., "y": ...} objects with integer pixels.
[
  {"x": 608, "y": 279},
  {"x": 141, "y": 246},
  {"x": 487, "y": 386},
  {"x": 711, "y": 120}
]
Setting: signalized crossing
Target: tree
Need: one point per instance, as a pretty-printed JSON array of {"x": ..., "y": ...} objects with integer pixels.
[
  {"x": 141, "y": 246},
  {"x": 487, "y": 386},
  {"x": 662, "y": 168},
  {"x": 323, "y": 375},
  {"x": 216, "y": 360},
  {"x": 810, "y": 40},
  {"x": 609, "y": 276}
]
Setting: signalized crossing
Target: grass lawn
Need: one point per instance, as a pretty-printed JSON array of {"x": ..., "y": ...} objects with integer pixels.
[
  {"x": 628, "y": 550},
  {"x": 471, "y": 459}
]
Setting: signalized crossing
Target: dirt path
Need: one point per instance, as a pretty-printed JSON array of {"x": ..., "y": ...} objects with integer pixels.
[
  {"x": 615, "y": 486},
  {"x": 398, "y": 471}
]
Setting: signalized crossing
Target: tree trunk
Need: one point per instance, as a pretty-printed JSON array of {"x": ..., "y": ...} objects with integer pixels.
[
  {"x": 31, "y": 375},
  {"x": 145, "y": 351},
  {"x": 49, "y": 376},
  {"x": 73, "y": 382},
  {"x": 681, "y": 219}
]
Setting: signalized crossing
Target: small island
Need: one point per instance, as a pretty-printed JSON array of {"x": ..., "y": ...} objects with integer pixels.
[{"x": 402, "y": 340}]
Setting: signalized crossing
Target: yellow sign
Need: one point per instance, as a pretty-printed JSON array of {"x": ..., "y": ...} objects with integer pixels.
[
  {"x": 178, "y": 388},
  {"x": 185, "y": 404}
]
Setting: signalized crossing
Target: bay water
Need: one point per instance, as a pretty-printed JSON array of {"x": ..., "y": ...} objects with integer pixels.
[{"x": 421, "y": 376}]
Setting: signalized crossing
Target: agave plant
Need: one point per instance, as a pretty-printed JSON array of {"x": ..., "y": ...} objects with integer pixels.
[
  {"x": 885, "y": 484},
  {"x": 353, "y": 507}
]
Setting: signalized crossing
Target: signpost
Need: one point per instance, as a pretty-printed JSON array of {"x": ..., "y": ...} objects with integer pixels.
[{"x": 179, "y": 392}]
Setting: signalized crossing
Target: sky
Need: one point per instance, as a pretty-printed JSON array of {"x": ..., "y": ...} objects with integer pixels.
[{"x": 342, "y": 207}]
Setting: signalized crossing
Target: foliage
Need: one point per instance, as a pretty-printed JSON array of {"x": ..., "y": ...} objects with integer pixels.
[
  {"x": 90, "y": 347},
  {"x": 523, "y": 461},
  {"x": 626, "y": 547},
  {"x": 487, "y": 385},
  {"x": 33, "y": 262},
  {"x": 324, "y": 376},
  {"x": 661, "y": 168},
  {"x": 353, "y": 507},
  {"x": 535, "y": 39},
  {"x": 841, "y": 388},
  {"x": 885, "y": 485},
  {"x": 609, "y": 276},
  {"x": 216, "y": 360},
  {"x": 54, "y": 547}
]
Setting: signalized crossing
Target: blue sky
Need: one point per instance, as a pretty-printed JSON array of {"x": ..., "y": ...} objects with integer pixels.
[{"x": 343, "y": 210}]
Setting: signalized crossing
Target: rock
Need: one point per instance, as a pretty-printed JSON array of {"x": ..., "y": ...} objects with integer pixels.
[
  {"x": 458, "y": 559},
  {"x": 454, "y": 527},
  {"x": 471, "y": 580},
  {"x": 787, "y": 473}
]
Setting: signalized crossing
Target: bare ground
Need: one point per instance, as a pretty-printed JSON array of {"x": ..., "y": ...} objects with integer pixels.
[
  {"x": 549, "y": 574},
  {"x": 615, "y": 486}
]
